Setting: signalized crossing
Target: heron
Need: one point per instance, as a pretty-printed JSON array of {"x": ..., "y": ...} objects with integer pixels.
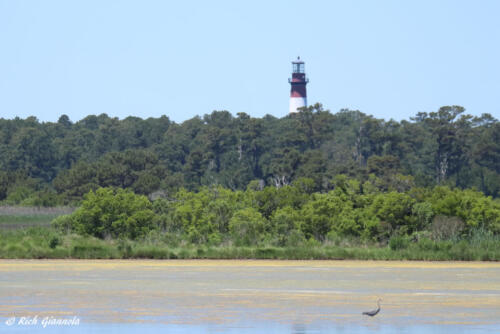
[{"x": 374, "y": 312}]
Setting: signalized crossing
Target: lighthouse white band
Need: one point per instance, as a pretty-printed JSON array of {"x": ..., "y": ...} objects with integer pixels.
[{"x": 297, "y": 102}]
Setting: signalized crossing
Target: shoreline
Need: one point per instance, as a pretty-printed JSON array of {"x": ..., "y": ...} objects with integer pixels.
[{"x": 268, "y": 262}]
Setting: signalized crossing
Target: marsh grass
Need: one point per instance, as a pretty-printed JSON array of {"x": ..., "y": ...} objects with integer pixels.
[
  {"x": 44, "y": 242},
  {"x": 16, "y": 217},
  {"x": 24, "y": 221},
  {"x": 35, "y": 210}
]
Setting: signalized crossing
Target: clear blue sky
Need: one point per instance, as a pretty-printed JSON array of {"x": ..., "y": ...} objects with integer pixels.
[{"x": 390, "y": 59}]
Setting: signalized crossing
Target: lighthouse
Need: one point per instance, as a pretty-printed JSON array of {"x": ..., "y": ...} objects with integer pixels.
[{"x": 298, "y": 81}]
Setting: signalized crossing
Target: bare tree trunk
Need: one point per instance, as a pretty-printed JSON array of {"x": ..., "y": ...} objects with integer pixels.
[
  {"x": 240, "y": 151},
  {"x": 280, "y": 181}
]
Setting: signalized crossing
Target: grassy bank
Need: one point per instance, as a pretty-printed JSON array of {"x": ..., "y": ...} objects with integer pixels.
[
  {"x": 16, "y": 217},
  {"x": 46, "y": 243}
]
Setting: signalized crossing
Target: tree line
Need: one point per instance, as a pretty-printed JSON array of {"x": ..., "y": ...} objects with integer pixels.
[{"x": 46, "y": 163}]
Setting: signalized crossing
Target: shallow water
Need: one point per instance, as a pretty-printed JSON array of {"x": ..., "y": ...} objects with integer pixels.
[{"x": 245, "y": 296}]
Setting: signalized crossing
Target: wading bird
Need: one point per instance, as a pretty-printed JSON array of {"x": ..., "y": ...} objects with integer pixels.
[{"x": 374, "y": 312}]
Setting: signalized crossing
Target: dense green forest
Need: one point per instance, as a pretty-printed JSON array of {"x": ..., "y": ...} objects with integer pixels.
[
  {"x": 57, "y": 163},
  {"x": 309, "y": 185}
]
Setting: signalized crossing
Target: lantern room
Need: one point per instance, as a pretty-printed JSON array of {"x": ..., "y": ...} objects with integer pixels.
[{"x": 298, "y": 66}]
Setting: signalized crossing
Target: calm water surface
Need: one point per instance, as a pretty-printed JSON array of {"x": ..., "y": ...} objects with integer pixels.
[{"x": 248, "y": 296}]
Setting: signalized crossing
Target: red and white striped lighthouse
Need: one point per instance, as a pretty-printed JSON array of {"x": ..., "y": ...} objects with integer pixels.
[{"x": 298, "y": 81}]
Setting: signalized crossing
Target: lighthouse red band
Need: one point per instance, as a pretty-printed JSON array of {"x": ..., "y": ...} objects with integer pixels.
[{"x": 298, "y": 81}]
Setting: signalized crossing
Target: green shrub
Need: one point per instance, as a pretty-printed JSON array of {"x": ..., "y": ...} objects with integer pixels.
[
  {"x": 63, "y": 223},
  {"x": 399, "y": 242},
  {"x": 54, "y": 242},
  {"x": 295, "y": 238},
  {"x": 423, "y": 214},
  {"x": 395, "y": 209},
  {"x": 113, "y": 212},
  {"x": 247, "y": 227}
]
